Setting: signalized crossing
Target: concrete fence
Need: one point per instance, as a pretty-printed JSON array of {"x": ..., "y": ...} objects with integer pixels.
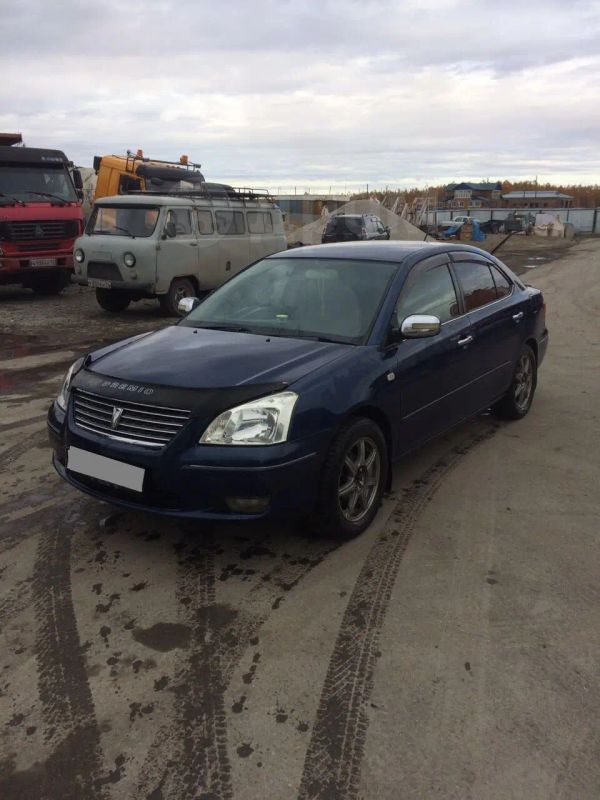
[{"x": 586, "y": 220}]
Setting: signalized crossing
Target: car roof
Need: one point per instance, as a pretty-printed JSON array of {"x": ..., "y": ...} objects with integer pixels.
[{"x": 397, "y": 250}]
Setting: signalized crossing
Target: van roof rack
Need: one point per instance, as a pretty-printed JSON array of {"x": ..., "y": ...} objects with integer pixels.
[{"x": 210, "y": 191}]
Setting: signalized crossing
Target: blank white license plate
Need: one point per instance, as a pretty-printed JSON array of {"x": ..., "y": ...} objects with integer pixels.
[
  {"x": 42, "y": 262},
  {"x": 98, "y": 283},
  {"x": 105, "y": 469}
]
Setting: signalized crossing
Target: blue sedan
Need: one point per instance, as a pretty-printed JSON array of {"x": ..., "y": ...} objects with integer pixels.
[{"x": 293, "y": 388}]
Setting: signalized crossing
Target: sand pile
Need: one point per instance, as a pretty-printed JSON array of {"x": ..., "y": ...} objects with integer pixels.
[{"x": 399, "y": 228}]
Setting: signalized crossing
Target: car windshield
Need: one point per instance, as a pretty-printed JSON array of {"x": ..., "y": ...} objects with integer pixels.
[
  {"x": 33, "y": 183},
  {"x": 345, "y": 224},
  {"x": 122, "y": 220},
  {"x": 331, "y": 299}
]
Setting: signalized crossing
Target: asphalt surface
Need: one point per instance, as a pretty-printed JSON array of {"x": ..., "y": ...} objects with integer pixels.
[{"x": 449, "y": 652}]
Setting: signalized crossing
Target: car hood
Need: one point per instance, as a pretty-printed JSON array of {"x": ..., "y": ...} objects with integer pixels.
[{"x": 199, "y": 358}]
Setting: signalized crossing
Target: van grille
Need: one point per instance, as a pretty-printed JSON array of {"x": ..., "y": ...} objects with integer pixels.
[
  {"x": 154, "y": 426},
  {"x": 105, "y": 270}
]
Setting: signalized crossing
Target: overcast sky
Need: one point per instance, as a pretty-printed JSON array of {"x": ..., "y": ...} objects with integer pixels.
[{"x": 312, "y": 93}]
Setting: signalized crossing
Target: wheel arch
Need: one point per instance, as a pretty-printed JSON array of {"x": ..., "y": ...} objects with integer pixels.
[{"x": 532, "y": 342}]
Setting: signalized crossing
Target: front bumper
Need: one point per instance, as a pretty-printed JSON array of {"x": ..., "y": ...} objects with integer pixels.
[
  {"x": 195, "y": 481},
  {"x": 130, "y": 286}
]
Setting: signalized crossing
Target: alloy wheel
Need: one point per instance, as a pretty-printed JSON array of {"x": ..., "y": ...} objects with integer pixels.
[{"x": 359, "y": 479}]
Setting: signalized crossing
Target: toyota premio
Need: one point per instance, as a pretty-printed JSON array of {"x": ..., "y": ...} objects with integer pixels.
[{"x": 293, "y": 388}]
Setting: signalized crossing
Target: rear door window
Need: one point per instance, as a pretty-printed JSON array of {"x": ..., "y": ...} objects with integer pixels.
[
  {"x": 503, "y": 287},
  {"x": 230, "y": 223},
  {"x": 477, "y": 283},
  {"x": 260, "y": 222}
]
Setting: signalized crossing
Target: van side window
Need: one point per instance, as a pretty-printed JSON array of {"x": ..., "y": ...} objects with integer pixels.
[
  {"x": 205, "y": 222},
  {"x": 182, "y": 219},
  {"x": 230, "y": 223},
  {"x": 260, "y": 222}
]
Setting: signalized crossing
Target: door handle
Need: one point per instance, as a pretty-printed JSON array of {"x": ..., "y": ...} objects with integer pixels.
[
  {"x": 193, "y": 244},
  {"x": 466, "y": 340},
  {"x": 518, "y": 317}
]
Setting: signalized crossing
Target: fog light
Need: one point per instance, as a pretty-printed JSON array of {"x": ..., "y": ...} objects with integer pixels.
[{"x": 247, "y": 505}]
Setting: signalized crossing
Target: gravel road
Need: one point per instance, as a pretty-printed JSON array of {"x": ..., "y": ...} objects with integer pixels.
[{"x": 449, "y": 652}]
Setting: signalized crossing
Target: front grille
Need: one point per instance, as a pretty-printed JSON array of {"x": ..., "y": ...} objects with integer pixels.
[
  {"x": 154, "y": 426},
  {"x": 38, "y": 248},
  {"x": 41, "y": 229},
  {"x": 104, "y": 270}
]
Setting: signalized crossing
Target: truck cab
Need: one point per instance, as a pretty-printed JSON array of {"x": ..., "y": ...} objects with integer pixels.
[
  {"x": 134, "y": 172},
  {"x": 40, "y": 217}
]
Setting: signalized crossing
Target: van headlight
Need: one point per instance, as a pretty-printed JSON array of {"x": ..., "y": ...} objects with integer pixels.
[
  {"x": 129, "y": 259},
  {"x": 263, "y": 421},
  {"x": 63, "y": 396},
  {"x": 79, "y": 255}
]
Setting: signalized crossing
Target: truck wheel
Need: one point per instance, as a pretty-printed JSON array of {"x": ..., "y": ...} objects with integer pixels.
[
  {"x": 50, "y": 282},
  {"x": 179, "y": 288},
  {"x": 113, "y": 299}
]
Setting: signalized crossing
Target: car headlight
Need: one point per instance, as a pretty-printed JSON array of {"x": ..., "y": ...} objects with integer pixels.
[
  {"x": 79, "y": 255},
  {"x": 129, "y": 259},
  {"x": 263, "y": 421},
  {"x": 63, "y": 396}
]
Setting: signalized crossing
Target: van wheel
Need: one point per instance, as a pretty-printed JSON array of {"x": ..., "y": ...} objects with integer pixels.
[
  {"x": 179, "y": 288},
  {"x": 353, "y": 480},
  {"x": 113, "y": 299}
]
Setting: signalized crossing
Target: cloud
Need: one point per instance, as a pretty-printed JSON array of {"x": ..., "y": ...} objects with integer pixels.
[{"x": 323, "y": 92}]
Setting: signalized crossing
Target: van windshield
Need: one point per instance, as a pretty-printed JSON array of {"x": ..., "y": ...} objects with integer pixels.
[
  {"x": 331, "y": 299},
  {"x": 122, "y": 220}
]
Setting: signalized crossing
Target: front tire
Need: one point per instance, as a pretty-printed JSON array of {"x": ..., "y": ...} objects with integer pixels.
[
  {"x": 518, "y": 399},
  {"x": 113, "y": 300},
  {"x": 353, "y": 480},
  {"x": 179, "y": 288}
]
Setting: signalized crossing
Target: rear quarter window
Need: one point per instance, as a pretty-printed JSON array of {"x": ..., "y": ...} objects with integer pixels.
[{"x": 230, "y": 223}]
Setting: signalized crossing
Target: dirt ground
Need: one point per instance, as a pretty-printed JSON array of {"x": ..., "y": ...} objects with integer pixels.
[{"x": 450, "y": 652}]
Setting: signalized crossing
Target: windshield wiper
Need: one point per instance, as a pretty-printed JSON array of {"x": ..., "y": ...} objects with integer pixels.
[
  {"x": 52, "y": 196},
  {"x": 14, "y": 199},
  {"x": 114, "y": 228}
]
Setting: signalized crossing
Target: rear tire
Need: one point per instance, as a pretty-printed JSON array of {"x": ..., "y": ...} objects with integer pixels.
[
  {"x": 50, "y": 282},
  {"x": 353, "y": 480},
  {"x": 179, "y": 288},
  {"x": 518, "y": 399},
  {"x": 113, "y": 300}
]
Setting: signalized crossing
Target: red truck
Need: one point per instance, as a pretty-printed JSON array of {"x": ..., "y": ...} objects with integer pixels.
[{"x": 40, "y": 216}]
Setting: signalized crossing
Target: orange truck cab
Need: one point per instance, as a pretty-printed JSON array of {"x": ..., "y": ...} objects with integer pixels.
[{"x": 134, "y": 172}]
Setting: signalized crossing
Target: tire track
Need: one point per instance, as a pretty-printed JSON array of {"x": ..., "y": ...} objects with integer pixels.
[
  {"x": 333, "y": 760},
  {"x": 67, "y": 706},
  {"x": 220, "y": 638}
]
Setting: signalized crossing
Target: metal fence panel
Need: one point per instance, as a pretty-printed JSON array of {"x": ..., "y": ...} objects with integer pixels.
[{"x": 586, "y": 220}]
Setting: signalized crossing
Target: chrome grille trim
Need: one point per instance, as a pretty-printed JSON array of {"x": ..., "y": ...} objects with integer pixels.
[{"x": 148, "y": 425}]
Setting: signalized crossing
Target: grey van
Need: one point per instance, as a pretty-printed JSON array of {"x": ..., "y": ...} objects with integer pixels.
[{"x": 173, "y": 246}]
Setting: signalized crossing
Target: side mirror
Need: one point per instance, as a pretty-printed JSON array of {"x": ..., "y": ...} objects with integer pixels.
[
  {"x": 187, "y": 304},
  {"x": 77, "y": 179},
  {"x": 418, "y": 326},
  {"x": 170, "y": 231},
  {"x": 387, "y": 228}
]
